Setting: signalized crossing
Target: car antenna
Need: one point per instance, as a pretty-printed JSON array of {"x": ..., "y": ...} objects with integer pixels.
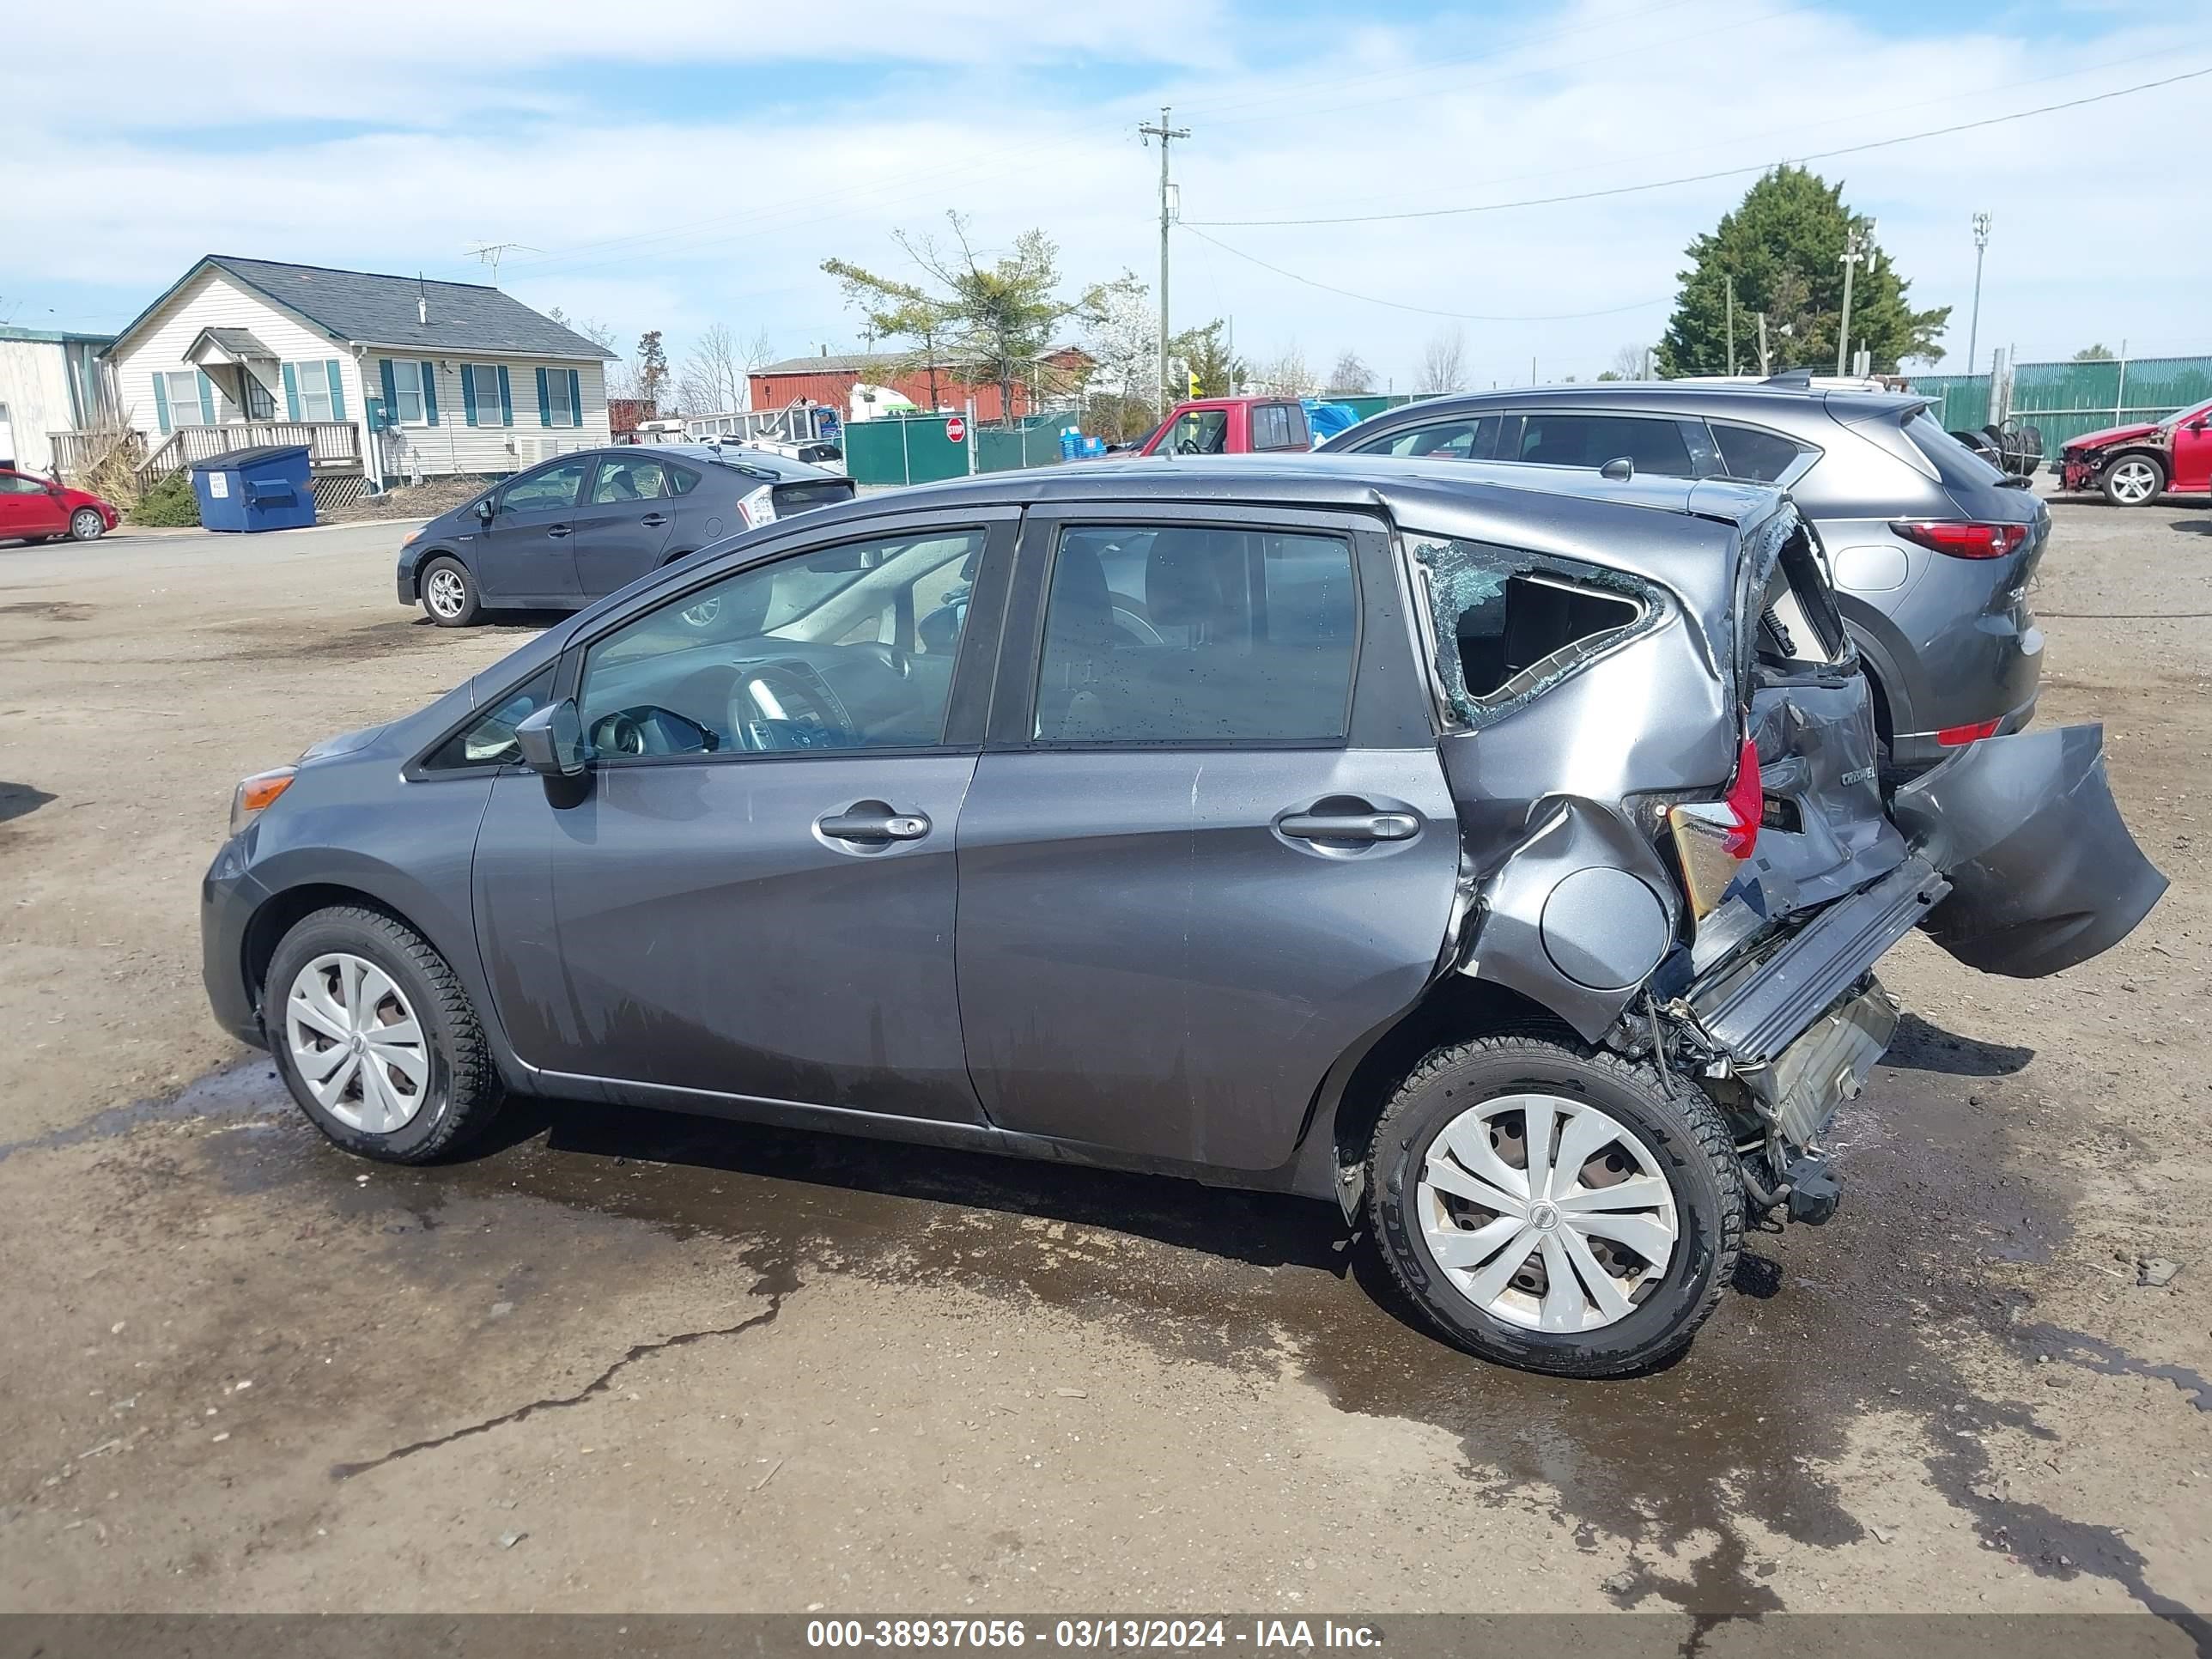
[{"x": 1799, "y": 378}]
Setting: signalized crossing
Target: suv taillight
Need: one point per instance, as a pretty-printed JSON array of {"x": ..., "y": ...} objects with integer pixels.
[{"x": 1963, "y": 540}]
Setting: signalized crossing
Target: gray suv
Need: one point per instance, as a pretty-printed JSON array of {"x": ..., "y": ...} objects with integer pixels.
[
  {"x": 1931, "y": 548},
  {"x": 1493, "y": 852},
  {"x": 576, "y": 528}
]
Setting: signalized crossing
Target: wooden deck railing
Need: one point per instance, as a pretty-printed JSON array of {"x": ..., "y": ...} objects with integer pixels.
[{"x": 332, "y": 446}]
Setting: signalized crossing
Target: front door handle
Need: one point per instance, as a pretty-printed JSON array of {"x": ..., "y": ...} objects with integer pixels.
[
  {"x": 654, "y": 520},
  {"x": 871, "y": 820},
  {"x": 1351, "y": 826},
  {"x": 556, "y": 529}
]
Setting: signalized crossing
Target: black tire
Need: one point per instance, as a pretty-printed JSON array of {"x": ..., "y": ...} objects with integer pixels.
[
  {"x": 86, "y": 525},
  {"x": 463, "y": 1093},
  {"x": 460, "y": 613},
  {"x": 1683, "y": 1132},
  {"x": 2109, "y": 481}
]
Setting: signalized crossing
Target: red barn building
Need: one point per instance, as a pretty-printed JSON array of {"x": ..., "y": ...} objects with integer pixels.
[{"x": 829, "y": 379}]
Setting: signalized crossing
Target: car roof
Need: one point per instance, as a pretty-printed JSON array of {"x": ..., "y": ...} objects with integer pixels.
[
  {"x": 740, "y": 457},
  {"x": 1760, "y": 401},
  {"x": 1667, "y": 529}
]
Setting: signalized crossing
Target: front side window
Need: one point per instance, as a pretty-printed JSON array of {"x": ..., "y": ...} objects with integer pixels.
[
  {"x": 1197, "y": 635},
  {"x": 839, "y": 648},
  {"x": 1457, "y": 441},
  {"x": 553, "y": 490},
  {"x": 14, "y": 483},
  {"x": 488, "y": 740},
  {"x": 630, "y": 481},
  {"x": 1200, "y": 432},
  {"x": 1651, "y": 445}
]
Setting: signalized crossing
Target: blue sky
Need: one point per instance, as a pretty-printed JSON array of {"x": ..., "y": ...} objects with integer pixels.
[{"x": 692, "y": 166}]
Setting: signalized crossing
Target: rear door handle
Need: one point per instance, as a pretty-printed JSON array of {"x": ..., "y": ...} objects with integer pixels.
[
  {"x": 556, "y": 529},
  {"x": 1351, "y": 826},
  {"x": 868, "y": 822},
  {"x": 654, "y": 520}
]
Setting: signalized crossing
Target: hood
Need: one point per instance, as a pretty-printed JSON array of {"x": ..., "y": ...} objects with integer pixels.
[{"x": 2110, "y": 435}]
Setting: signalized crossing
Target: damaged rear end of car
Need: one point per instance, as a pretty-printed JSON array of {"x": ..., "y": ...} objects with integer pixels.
[{"x": 1675, "y": 833}]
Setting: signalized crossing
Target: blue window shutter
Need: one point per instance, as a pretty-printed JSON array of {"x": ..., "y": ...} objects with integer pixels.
[
  {"x": 576, "y": 398},
  {"x": 162, "y": 403},
  {"x": 469, "y": 392},
  {"x": 291, "y": 393},
  {"x": 338, "y": 388},
  {"x": 506, "y": 398},
  {"x": 544, "y": 401},
  {"x": 390, "y": 392},
  {"x": 430, "y": 394},
  {"x": 207, "y": 399}
]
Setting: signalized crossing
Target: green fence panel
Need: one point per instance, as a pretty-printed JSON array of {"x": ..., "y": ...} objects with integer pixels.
[
  {"x": 2064, "y": 400},
  {"x": 1370, "y": 405},
  {"x": 998, "y": 450},
  {"x": 901, "y": 451},
  {"x": 1961, "y": 401}
]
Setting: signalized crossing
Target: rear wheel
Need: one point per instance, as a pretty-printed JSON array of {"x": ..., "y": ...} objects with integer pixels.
[
  {"x": 2133, "y": 481},
  {"x": 1555, "y": 1208},
  {"x": 449, "y": 593},
  {"x": 376, "y": 1038}
]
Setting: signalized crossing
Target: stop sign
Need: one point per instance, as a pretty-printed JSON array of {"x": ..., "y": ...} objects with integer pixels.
[{"x": 956, "y": 430}]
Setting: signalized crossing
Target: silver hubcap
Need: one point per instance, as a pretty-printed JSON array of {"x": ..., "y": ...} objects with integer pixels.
[
  {"x": 1546, "y": 1212},
  {"x": 445, "y": 591},
  {"x": 2134, "y": 481},
  {"x": 702, "y": 614},
  {"x": 356, "y": 1043},
  {"x": 85, "y": 525}
]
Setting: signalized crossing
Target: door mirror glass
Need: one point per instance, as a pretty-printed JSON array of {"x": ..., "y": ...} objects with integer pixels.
[
  {"x": 551, "y": 741},
  {"x": 484, "y": 509}
]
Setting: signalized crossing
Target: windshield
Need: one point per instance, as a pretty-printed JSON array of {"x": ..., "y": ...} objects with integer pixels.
[{"x": 2179, "y": 417}]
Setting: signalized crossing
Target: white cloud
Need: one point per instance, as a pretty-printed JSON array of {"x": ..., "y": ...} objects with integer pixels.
[{"x": 676, "y": 222}]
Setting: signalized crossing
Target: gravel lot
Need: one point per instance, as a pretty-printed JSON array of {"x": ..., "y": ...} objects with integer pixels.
[{"x": 628, "y": 1362}]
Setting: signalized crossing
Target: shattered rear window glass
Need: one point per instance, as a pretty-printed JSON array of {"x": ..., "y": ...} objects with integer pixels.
[{"x": 1510, "y": 624}]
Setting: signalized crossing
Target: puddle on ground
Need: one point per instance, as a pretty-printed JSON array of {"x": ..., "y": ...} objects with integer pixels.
[{"x": 1829, "y": 1324}]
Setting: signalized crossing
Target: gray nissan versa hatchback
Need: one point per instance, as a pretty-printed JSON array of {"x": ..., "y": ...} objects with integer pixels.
[
  {"x": 1930, "y": 546},
  {"x": 1496, "y": 851}
]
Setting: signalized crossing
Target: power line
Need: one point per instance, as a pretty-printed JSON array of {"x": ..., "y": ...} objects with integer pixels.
[
  {"x": 1397, "y": 304},
  {"x": 1721, "y": 172}
]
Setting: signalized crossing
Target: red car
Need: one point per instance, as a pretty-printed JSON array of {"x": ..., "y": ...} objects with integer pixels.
[
  {"x": 1229, "y": 426},
  {"x": 2133, "y": 464},
  {"x": 35, "y": 509}
]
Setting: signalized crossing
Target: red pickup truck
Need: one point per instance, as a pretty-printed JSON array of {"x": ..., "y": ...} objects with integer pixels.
[{"x": 1228, "y": 426}]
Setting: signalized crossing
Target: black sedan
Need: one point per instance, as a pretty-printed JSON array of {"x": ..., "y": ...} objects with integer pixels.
[{"x": 578, "y": 528}]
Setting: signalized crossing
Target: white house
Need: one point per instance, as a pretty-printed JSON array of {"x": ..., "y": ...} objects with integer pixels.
[
  {"x": 49, "y": 382},
  {"x": 251, "y": 351}
]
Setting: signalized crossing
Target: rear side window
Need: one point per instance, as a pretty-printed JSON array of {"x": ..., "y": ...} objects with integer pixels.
[
  {"x": 682, "y": 480},
  {"x": 1651, "y": 445},
  {"x": 1185, "y": 634},
  {"x": 1509, "y": 624},
  {"x": 1957, "y": 466},
  {"x": 1748, "y": 453}
]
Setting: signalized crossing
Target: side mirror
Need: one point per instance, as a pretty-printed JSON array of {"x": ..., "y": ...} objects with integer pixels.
[
  {"x": 483, "y": 509},
  {"x": 2198, "y": 425},
  {"x": 551, "y": 740},
  {"x": 1620, "y": 468}
]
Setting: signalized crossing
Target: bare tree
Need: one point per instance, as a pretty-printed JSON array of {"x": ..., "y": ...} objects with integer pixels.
[
  {"x": 1286, "y": 373},
  {"x": 1351, "y": 374},
  {"x": 1628, "y": 363},
  {"x": 1444, "y": 365},
  {"x": 713, "y": 381}
]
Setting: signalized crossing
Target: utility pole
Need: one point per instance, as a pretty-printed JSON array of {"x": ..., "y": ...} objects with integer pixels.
[
  {"x": 1858, "y": 246},
  {"x": 1974, "y": 327},
  {"x": 1766, "y": 363},
  {"x": 1731, "y": 325},
  {"x": 1167, "y": 135}
]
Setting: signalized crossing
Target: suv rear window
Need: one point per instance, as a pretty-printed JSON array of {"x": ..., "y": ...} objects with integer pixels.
[{"x": 1957, "y": 466}]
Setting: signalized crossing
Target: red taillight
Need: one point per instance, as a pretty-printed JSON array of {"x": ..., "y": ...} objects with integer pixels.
[
  {"x": 1745, "y": 805},
  {"x": 1964, "y": 541},
  {"x": 1958, "y": 737}
]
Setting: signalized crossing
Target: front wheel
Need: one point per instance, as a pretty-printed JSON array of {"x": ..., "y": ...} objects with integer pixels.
[
  {"x": 2133, "y": 481},
  {"x": 376, "y": 1037},
  {"x": 449, "y": 593},
  {"x": 1555, "y": 1208},
  {"x": 86, "y": 525}
]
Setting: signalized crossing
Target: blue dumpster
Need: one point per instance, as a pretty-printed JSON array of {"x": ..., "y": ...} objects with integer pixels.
[{"x": 270, "y": 487}]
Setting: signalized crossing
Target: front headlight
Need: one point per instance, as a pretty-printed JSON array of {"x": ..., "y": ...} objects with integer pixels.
[
  {"x": 415, "y": 535},
  {"x": 254, "y": 795}
]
